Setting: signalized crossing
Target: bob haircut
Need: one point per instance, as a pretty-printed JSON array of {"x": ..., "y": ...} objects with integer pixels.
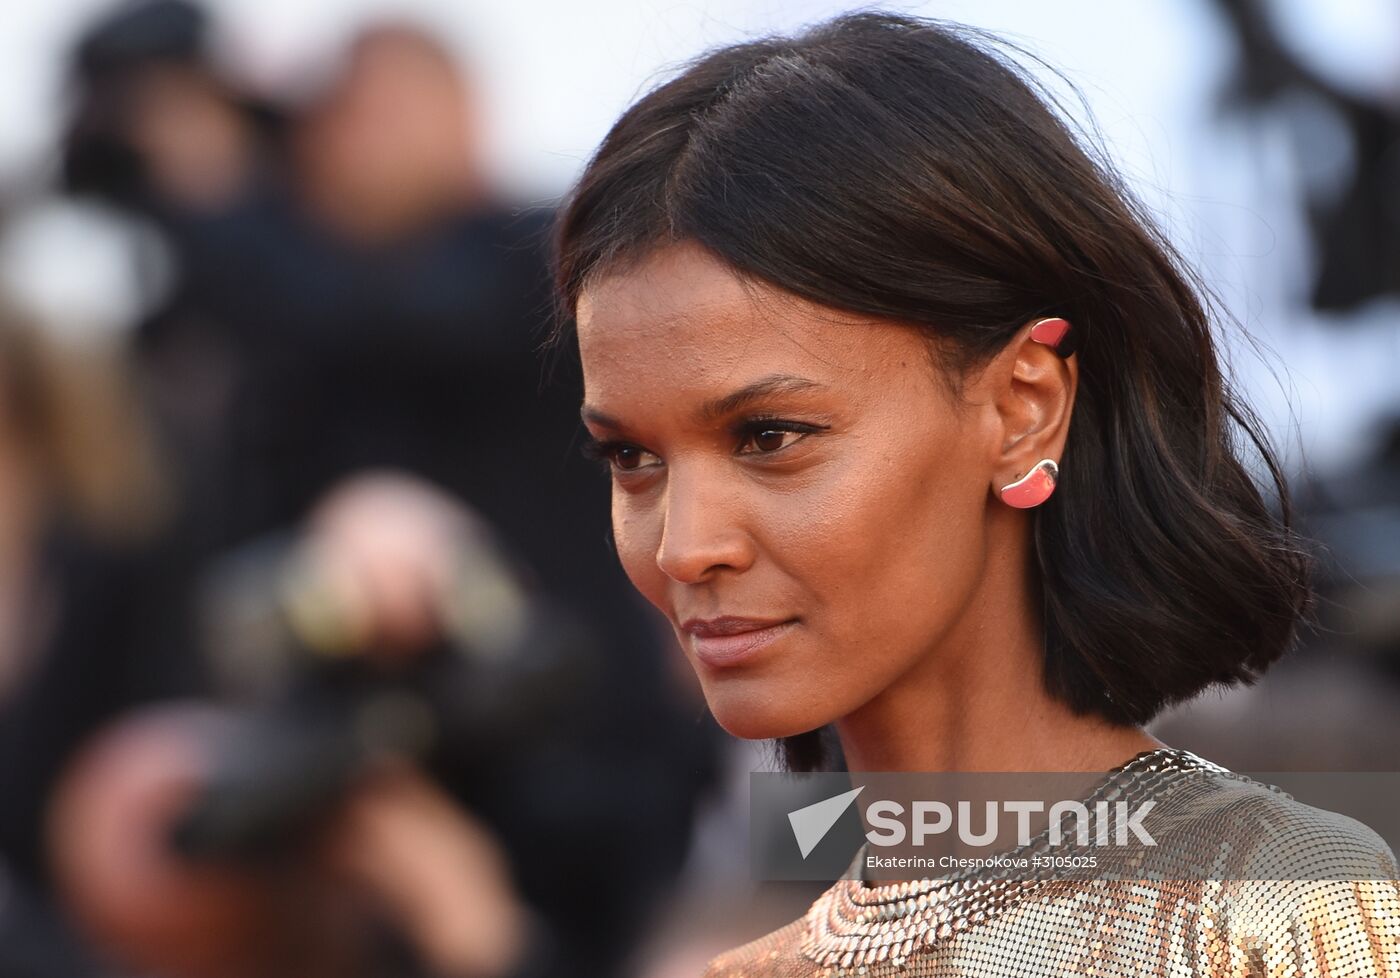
[{"x": 905, "y": 169}]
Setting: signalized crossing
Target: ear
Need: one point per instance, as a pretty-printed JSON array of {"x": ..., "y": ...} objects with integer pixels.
[{"x": 1033, "y": 389}]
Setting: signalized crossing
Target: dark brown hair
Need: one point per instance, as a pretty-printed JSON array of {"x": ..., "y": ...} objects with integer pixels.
[{"x": 907, "y": 169}]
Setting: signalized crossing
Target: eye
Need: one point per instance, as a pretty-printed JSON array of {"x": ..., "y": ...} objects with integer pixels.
[
  {"x": 772, "y": 439},
  {"x": 620, "y": 455},
  {"x": 769, "y": 436},
  {"x": 630, "y": 457}
]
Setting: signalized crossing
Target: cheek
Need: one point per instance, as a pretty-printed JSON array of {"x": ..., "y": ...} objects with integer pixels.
[
  {"x": 637, "y": 535},
  {"x": 892, "y": 549}
]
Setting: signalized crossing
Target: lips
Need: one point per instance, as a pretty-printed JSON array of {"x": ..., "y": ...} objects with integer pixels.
[{"x": 729, "y": 640}]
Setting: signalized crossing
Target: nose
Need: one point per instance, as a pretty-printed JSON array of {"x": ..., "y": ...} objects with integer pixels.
[{"x": 703, "y": 530}]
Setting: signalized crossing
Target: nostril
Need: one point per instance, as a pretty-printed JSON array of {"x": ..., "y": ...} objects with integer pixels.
[{"x": 694, "y": 559}]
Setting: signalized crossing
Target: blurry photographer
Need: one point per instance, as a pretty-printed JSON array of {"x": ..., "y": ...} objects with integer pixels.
[
  {"x": 358, "y": 336},
  {"x": 161, "y": 131},
  {"x": 157, "y": 127}
]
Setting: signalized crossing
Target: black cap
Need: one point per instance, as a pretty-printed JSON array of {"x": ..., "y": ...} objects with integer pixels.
[{"x": 141, "y": 32}]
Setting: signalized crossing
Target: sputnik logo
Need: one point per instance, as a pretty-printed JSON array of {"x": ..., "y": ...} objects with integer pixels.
[
  {"x": 814, "y": 822},
  {"x": 811, "y": 824}
]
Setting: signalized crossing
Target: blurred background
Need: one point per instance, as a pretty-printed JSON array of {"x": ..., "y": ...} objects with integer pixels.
[{"x": 314, "y": 656}]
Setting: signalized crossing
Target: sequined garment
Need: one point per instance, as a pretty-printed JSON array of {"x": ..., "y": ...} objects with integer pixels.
[{"x": 1215, "y": 921}]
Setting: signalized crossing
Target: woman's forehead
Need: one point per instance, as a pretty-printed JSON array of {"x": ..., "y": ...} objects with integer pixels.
[
  {"x": 681, "y": 298},
  {"x": 671, "y": 283}
]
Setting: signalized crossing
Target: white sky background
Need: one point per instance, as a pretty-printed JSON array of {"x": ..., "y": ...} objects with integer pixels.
[{"x": 557, "y": 73}]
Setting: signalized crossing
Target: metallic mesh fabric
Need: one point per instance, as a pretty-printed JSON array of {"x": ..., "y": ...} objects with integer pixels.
[{"x": 1208, "y": 916}]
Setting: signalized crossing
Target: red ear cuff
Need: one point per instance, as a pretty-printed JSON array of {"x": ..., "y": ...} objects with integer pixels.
[
  {"x": 1034, "y": 487},
  {"x": 1055, "y": 333}
]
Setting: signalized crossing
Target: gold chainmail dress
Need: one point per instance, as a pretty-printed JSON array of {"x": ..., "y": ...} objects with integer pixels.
[{"x": 1214, "y": 920}]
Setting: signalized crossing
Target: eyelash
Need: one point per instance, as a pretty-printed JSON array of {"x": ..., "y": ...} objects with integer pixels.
[{"x": 603, "y": 451}]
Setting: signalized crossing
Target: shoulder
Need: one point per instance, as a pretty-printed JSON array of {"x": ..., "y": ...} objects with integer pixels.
[
  {"x": 1301, "y": 887},
  {"x": 1283, "y": 846},
  {"x": 1232, "y": 826},
  {"x": 775, "y": 954},
  {"x": 1269, "y": 834}
]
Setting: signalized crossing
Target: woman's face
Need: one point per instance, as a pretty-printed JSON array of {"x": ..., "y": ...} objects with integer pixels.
[{"x": 795, "y": 488}]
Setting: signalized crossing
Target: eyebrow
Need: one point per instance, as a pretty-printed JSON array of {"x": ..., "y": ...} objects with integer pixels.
[{"x": 720, "y": 407}]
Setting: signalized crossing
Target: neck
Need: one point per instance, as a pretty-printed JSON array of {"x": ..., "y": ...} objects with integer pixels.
[{"x": 976, "y": 700}]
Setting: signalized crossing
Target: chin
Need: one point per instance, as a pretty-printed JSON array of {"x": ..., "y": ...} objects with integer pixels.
[{"x": 757, "y": 714}]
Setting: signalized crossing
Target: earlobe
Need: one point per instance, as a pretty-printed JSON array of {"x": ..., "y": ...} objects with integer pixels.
[{"x": 1034, "y": 487}]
